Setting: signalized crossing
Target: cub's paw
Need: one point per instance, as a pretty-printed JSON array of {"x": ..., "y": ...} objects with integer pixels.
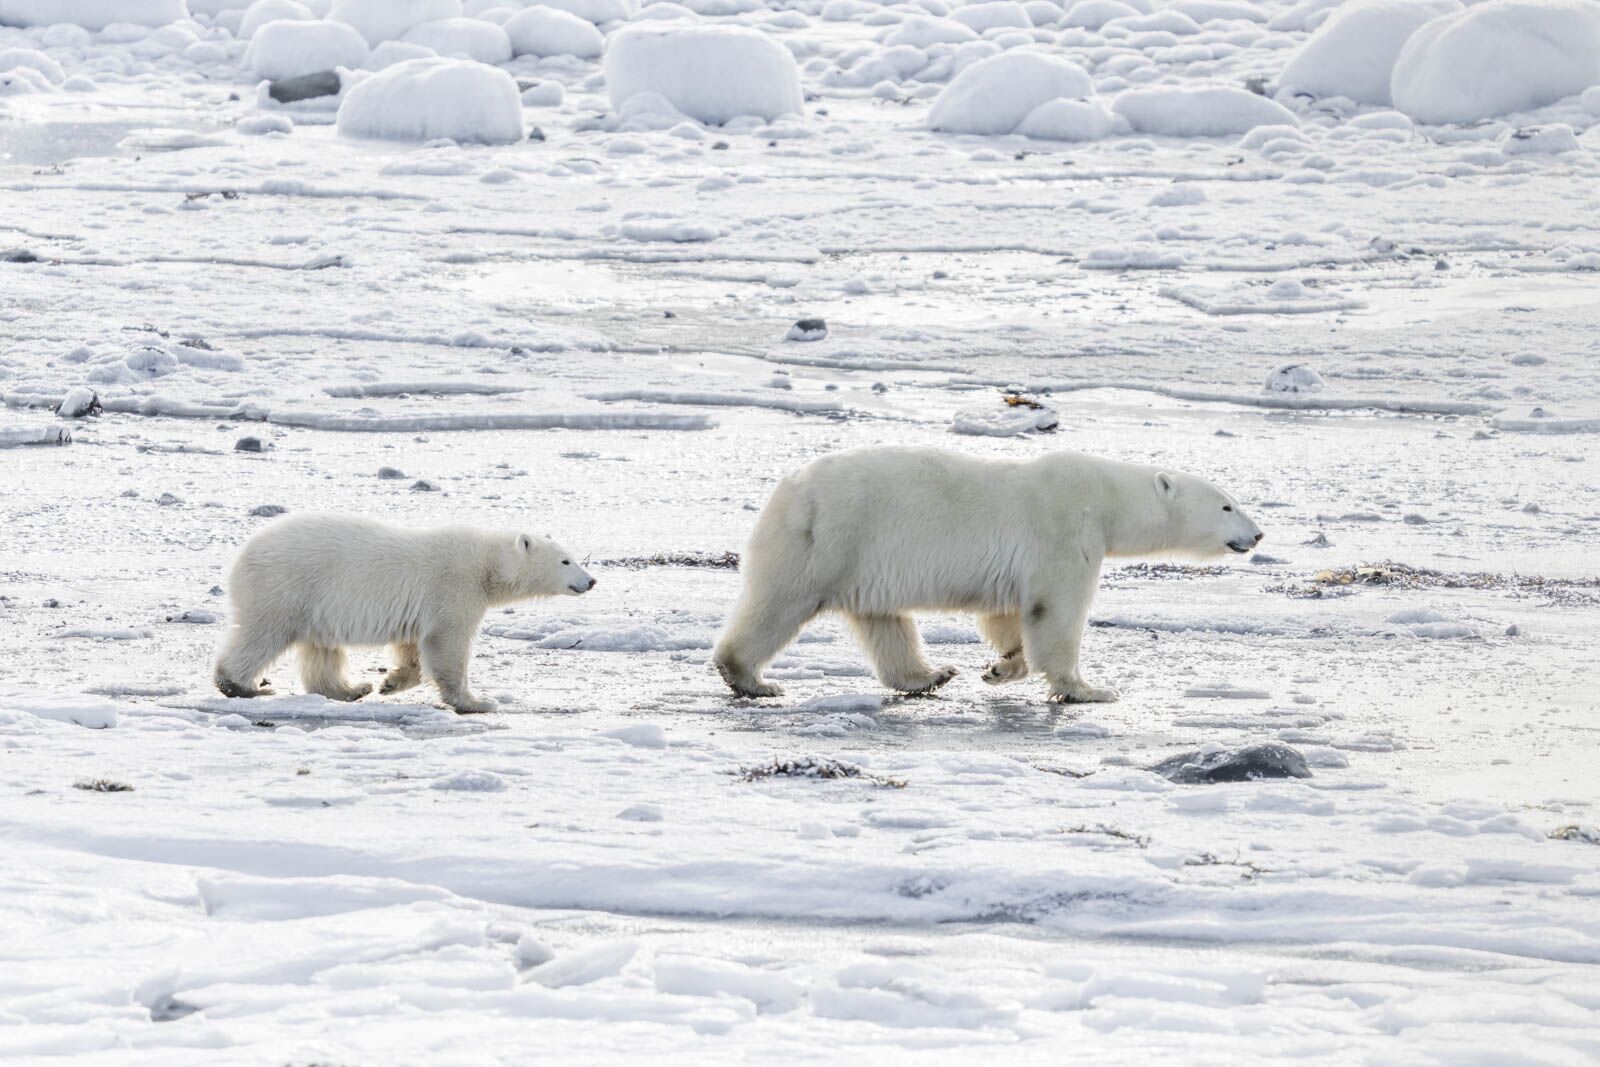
[
  {"x": 1082, "y": 693},
  {"x": 1011, "y": 668},
  {"x": 399, "y": 679},
  {"x": 471, "y": 705},
  {"x": 351, "y": 693},
  {"x": 939, "y": 678}
]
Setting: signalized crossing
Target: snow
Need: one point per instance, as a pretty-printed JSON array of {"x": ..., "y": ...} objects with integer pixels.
[
  {"x": 996, "y": 94},
  {"x": 426, "y": 99},
  {"x": 287, "y": 48},
  {"x": 1498, "y": 57},
  {"x": 599, "y": 12},
  {"x": 1376, "y": 333},
  {"x": 1210, "y": 111},
  {"x": 711, "y": 73},
  {"x": 388, "y": 20},
  {"x": 91, "y": 14},
  {"x": 547, "y": 31},
  {"x": 1353, "y": 53},
  {"x": 261, "y": 12},
  {"x": 462, "y": 38}
]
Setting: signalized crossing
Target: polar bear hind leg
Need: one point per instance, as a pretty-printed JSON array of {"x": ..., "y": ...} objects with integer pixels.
[
  {"x": 322, "y": 672},
  {"x": 407, "y": 670},
  {"x": 895, "y": 649},
  {"x": 1004, "y": 632}
]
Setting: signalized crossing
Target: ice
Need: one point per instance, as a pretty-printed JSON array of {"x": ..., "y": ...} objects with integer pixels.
[
  {"x": 424, "y": 99},
  {"x": 1498, "y": 57},
  {"x": 288, "y": 48},
  {"x": 711, "y": 73}
]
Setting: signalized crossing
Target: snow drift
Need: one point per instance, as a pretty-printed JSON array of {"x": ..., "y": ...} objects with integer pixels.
[
  {"x": 288, "y": 49},
  {"x": 1206, "y": 112},
  {"x": 1496, "y": 58},
  {"x": 428, "y": 99},
  {"x": 710, "y": 73},
  {"x": 994, "y": 95},
  {"x": 1353, "y": 53}
]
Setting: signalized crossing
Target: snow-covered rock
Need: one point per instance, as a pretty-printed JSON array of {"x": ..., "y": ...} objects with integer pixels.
[
  {"x": 1353, "y": 53},
  {"x": 91, "y": 14},
  {"x": 1549, "y": 140},
  {"x": 1294, "y": 378},
  {"x": 1498, "y": 57},
  {"x": 288, "y": 49},
  {"x": 23, "y": 81},
  {"x": 1092, "y": 14},
  {"x": 710, "y": 73},
  {"x": 463, "y": 38},
  {"x": 549, "y": 31},
  {"x": 598, "y": 12},
  {"x": 262, "y": 12},
  {"x": 429, "y": 99},
  {"x": 16, "y": 58},
  {"x": 994, "y": 95},
  {"x": 1214, "y": 111},
  {"x": 993, "y": 14},
  {"x": 1005, "y": 420},
  {"x": 388, "y": 20},
  {"x": 1071, "y": 120}
]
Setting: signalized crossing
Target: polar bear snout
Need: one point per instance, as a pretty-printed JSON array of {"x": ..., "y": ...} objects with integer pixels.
[
  {"x": 578, "y": 588},
  {"x": 1245, "y": 544}
]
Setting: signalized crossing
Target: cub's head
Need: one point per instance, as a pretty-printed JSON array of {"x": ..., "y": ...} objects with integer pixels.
[
  {"x": 536, "y": 566},
  {"x": 1202, "y": 519}
]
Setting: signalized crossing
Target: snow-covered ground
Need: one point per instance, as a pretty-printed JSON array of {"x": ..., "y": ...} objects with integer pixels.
[{"x": 587, "y": 334}]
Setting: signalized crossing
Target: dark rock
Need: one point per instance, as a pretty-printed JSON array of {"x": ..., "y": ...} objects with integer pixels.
[
  {"x": 808, "y": 330},
  {"x": 51, "y": 603},
  {"x": 422, "y": 485},
  {"x": 166, "y": 500},
  {"x": 249, "y": 444},
  {"x": 536, "y": 134},
  {"x": 267, "y": 511},
  {"x": 79, "y": 403},
  {"x": 391, "y": 474},
  {"x": 18, "y": 255},
  {"x": 305, "y": 87},
  {"x": 1250, "y": 764},
  {"x": 720, "y": 146}
]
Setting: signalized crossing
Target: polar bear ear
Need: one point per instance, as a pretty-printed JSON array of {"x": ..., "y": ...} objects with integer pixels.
[
  {"x": 1166, "y": 485},
  {"x": 525, "y": 542}
]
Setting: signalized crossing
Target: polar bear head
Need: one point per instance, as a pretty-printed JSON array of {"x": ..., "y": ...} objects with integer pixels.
[
  {"x": 1202, "y": 520},
  {"x": 530, "y": 566}
]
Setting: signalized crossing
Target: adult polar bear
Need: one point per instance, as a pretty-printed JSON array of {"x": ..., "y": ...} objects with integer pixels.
[
  {"x": 879, "y": 532},
  {"x": 323, "y": 582}
]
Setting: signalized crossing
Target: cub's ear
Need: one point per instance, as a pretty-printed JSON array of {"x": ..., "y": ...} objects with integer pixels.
[
  {"x": 1166, "y": 485},
  {"x": 525, "y": 542}
]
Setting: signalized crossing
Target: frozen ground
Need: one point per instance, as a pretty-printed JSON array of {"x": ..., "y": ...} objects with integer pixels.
[{"x": 585, "y": 336}]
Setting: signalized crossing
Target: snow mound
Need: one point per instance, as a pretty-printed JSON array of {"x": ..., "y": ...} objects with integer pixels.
[
  {"x": 548, "y": 31},
  {"x": 91, "y": 14},
  {"x": 1215, "y": 111},
  {"x": 1496, "y": 58},
  {"x": 1548, "y": 140},
  {"x": 387, "y": 20},
  {"x": 1353, "y": 53},
  {"x": 264, "y": 11},
  {"x": 1004, "y": 421},
  {"x": 1092, "y": 14},
  {"x": 993, "y": 15},
  {"x": 709, "y": 73},
  {"x": 1071, "y": 120},
  {"x": 1294, "y": 378},
  {"x": 598, "y": 12},
  {"x": 429, "y": 99},
  {"x": 18, "y": 58},
  {"x": 994, "y": 95},
  {"x": 289, "y": 48},
  {"x": 23, "y": 81},
  {"x": 76, "y": 711},
  {"x": 462, "y": 38}
]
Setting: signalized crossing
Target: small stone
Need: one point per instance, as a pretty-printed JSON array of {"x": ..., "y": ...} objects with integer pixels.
[
  {"x": 535, "y": 134},
  {"x": 422, "y": 485},
  {"x": 166, "y": 500},
  {"x": 1294, "y": 378},
  {"x": 305, "y": 87},
  {"x": 1414, "y": 519},
  {"x": 1513, "y": 630},
  {"x": 391, "y": 474},
  {"x": 51, "y": 603},
  {"x": 79, "y": 403},
  {"x": 807, "y": 330},
  {"x": 720, "y": 146},
  {"x": 267, "y": 511},
  {"x": 1249, "y": 764},
  {"x": 1319, "y": 541},
  {"x": 248, "y": 444}
]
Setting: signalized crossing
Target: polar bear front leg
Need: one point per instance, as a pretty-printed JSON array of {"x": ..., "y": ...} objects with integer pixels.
[
  {"x": 444, "y": 659},
  {"x": 1004, "y": 632},
  {"x": 407, "y": 669},
  {"x": 895, "y": 649},
  {"x": 322, "y": 672},
  {"x": 1052, "y": 633}
]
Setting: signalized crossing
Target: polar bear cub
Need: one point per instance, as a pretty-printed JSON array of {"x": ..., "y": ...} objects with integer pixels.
[
  {"x": 324, "y": 582},
  {"x": 879, "y": 532}
]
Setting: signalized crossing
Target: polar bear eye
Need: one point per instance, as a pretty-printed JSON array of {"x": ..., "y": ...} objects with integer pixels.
[{"x": 1227, "y": 507}]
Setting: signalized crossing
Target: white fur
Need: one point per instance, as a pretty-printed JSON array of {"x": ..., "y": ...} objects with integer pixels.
[
  {"x": 880, "y": 532},
  {"x": 324, "y": 582}
]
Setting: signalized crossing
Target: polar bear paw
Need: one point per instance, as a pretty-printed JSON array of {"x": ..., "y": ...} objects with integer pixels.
[
  {"x": 349, "y": 693},
  {"x": 1011, "y": 667},
  {"x": 472, "y": 705},
  {"x": 753, "y": 688},
  {"x": 400, "y": 678},
  {"x": 1083, "y": 693},
  {"x": 939, "y": 677}
]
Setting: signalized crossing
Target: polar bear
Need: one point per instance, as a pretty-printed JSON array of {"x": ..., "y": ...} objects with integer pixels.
[
  {"x": 879, "y": 532},
  {"x": 322, "y": 582}
]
